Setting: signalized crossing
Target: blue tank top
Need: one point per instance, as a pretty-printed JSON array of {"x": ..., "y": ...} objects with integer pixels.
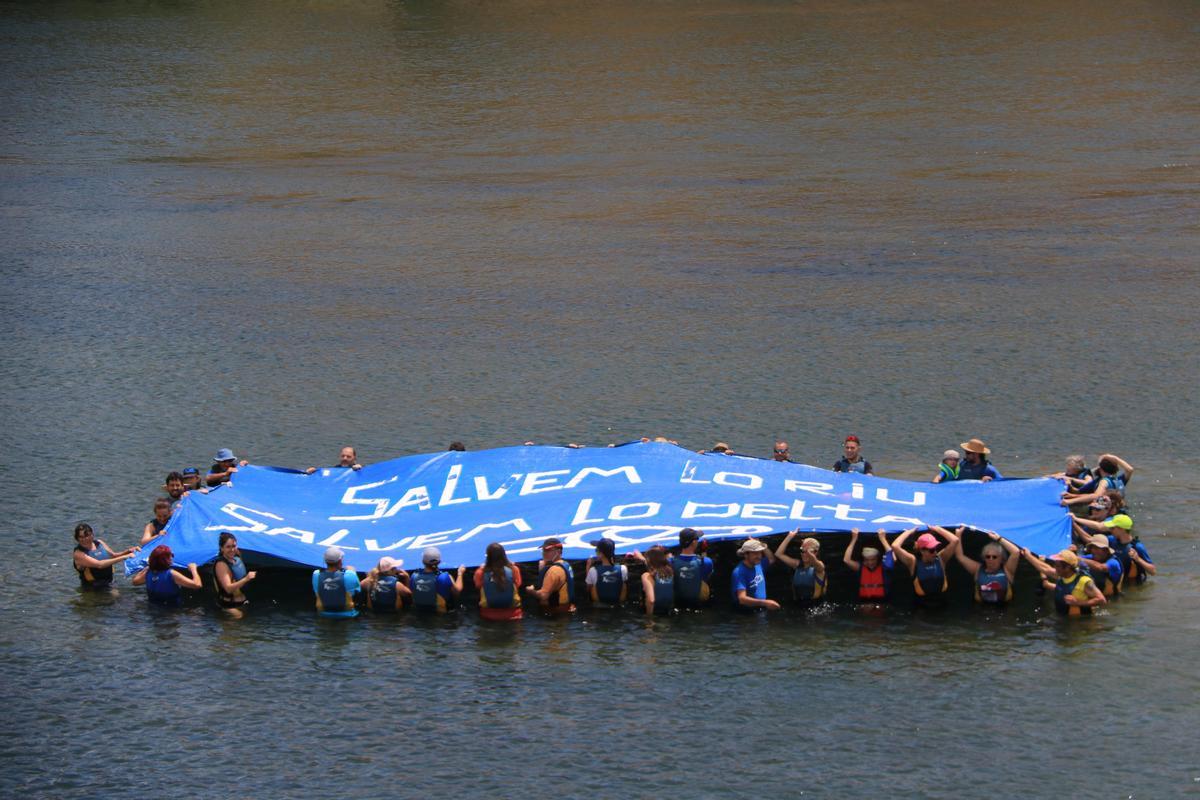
[
  {"x": 992, "y": 587},
  {"x": 689, "y": 580},
  {"x": 95, "y": 576},
  {"x": 806, "y": 585},
  {"x": 425, "y": 593},
  {"x": 383, "y": 595},
  {"x": 664, "y": 594},
  {"x": 162, "y": 589},
  {"x": 331, "y": 591},
  {"x": 609, "y": 584},
  {"x": 496, "y": 596},
  {"x": 929, "y": 579}
]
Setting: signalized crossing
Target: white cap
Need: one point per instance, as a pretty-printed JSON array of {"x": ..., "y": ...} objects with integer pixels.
[{"x": 333, "y": 555}]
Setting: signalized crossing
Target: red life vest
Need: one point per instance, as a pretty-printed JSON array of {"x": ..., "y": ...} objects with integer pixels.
[{"x": 871, "y": 584}]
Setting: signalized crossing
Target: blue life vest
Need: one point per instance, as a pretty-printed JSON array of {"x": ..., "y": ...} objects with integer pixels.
[
  {"x": 237, "y": 571},
  {"x": 95, "y": 576},
  {"x": 331, "y": 591},
  {"x": 1076, "y": 587},
  {"x": 496, "y": 596},
  {"x": 664, "y": 594},
  {"x": 992, "y": 588},
  {"x": 384, "y": 596},
  {"x": 158, "y": 526},
  {"x": 162, "y": 589},
  {"x": 972, "y": 472},
  {"x": 425, "y": 591},
  {"x": 806, "y": 585},
  {"x": 690, "y": 587},
  {"x": 929, "y": 580},
  {"x": 1114, "y": 482},
  {"x": 610, "y": 588},
  {"x": 568, "y": 588},
  {"x": 845, "y": 465}
]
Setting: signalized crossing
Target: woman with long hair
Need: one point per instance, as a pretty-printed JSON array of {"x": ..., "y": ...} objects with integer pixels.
[
  {"x": 658, "y": 582},
  {"x": 230, "y": 574},
  {"x": 498, "y": 582},
  {"x": 93, "y": 559}
]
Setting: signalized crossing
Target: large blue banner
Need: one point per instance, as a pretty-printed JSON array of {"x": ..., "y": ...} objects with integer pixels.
[{"x": 636, "y": 494}]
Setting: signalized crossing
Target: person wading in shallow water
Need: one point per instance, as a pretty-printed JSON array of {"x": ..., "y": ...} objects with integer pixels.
[
  {"x": 852, "y": 460},
  {"x": 347, "y": 459},
  {"x": 555, "y": 588},
  {"x": 749, "y": 582},
  {"x": 975, "y": 466}
]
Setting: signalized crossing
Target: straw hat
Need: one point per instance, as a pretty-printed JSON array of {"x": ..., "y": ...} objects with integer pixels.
[{"x": 975, "y": 446}]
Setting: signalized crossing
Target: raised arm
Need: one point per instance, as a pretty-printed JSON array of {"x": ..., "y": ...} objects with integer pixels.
[
  {"x": 903, "y": 556},
  {"x": 781, "y": 551},
  {"x": 951, "y": 548},
  {"x": 1125, "y": 466},
  {"x": 189, "y": 581},
  {"x": 848, "y": 556},
  {"x": 456, "y": 583},
  {"x": 969, "y": 564},
  {"x": 1014, "y": 554},
  {"x": 1045, "y": 570}
]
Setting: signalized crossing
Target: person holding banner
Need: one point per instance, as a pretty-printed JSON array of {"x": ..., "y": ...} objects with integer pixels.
[
  {"x": 874, "y": 573},
  {"x": 658, "y": 582},
  {"x": 230, "y": 575},
  {"x": 749, "y": 583},
  {"x": 808, "y": 576},
  {"x": 555, "y": 588},
  {"x": 386, "y": 586},
  {"x": 162, "y": 513},
  {"x": 1075, "y": 594},
  {"x": 606, "y": 579},
  {"x": 93, "y": 559},
  {"x": 432, "y": 589},
  {"x": 335, "y": 586},
  {"x": 994, "y": 575},
  {"x": 498, "y": 582},
  {"x": 162, "y": 582},
  {"x": 692, "y": 570},
  {"x": 928, "y": 566}
]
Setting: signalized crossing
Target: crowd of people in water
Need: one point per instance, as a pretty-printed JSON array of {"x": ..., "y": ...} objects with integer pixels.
[{"x": 1104, "y": 558}]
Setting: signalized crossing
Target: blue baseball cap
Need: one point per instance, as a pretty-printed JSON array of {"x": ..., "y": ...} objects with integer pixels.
[{"x": 190, "y": 471}]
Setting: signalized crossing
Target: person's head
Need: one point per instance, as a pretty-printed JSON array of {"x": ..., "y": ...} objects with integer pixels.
[
  {"x": 552, "y": 550},
  {"x": 495, "y": 556},
  {"x": 1099, "y": 548},
  {"x": 720, "y": 447},
  {"x": 606, "y": 549},
  {"x": 752, "y": 551},
  {"x": 1065, "y": 563},
  {"x": 974, "y": 451},
  {"x": 162, "y": 509},
  {"x": 1108, "y": 467},
  {"x": 1075, "y": 465},
  {"x": 333, "y": 557},
  {"x": 225, "y": 458},
  {"x": 1100, "y": 508},
  {"x": 850, "y": 447},
  {"x": 992, "y": 556},
  {"x": 347, "y": 458},
  {"x": 191, "y": 478},
  {"x": 657, "y": 561},
  {"x": 84, "y": 531},
  {"x": 457, "y": 447},
  {"x": 689, "y": 538},
  {"x": 388, "y": 565},
  {"x": 227, "y": 544},
  {"x": 160, "y": 558},
  {"x": 1121, "y": 526},
  {"x": 927, "y": 545},
  {"x": 950, "y": 458},
  {"x": 174, "y": 485},
  {"x": 870, "y": 557},
  {"x": 810, "y": 550},
  {"x": 782, "y": 451},
  {"x": 431, "y": 558}
]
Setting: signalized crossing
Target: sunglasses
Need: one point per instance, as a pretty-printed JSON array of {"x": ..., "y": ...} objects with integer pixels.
[
  {"x": 781, "y": 452},
  {"x": 991, "y": 555}
]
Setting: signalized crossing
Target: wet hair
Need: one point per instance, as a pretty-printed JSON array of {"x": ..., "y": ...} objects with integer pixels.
[
  {"x": 1116, "y": 501},
  {"x": 495, "y": 563},
  {"x": 458, "y": 447},
  {"x": 223, "y": 538},
  {"x": 1076, "y": 461},
  {"x": 174, "y": 475},
  {"x": 81, "y": 529},
  {"x": 657, "y": 562},
  {"x": 160, "y": 558},
  {"x": 162, "y": 502},
  {"x": 1108, "y": 466}
]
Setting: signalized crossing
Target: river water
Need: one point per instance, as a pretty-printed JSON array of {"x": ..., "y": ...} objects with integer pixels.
[{"x": 285, "y": 227}]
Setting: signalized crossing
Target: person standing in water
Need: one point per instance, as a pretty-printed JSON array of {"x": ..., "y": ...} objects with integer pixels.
[
  {"x": 335, "y": 586},
  {"x": 230, "y": 575},
  {"x": 606, "y": 579},
  {"x": 386, "y": 586},
  {"x": 162, "y": 514},
  {"x": 555, "y": 589},
  {"x": 994, "y": 573},
  {"x": 93, "y": 559},
  {"x": 1075, "y": 594},
  {"x": 658, "y": 582},
  {"x": 928, "y": 566},
  {"x": 163, "y": 583},
  {"x": 499, "y": 584},
  {"x": 749, "y": 582},
  {"x": 808, "y": 576},
  {"x": 875, "y": 570}
]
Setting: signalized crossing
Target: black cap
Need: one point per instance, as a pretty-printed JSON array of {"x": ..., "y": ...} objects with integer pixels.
[
  {"x": 687, "y": 536},
  {"x": 551, "y": 542},
  {"x": 606, "y": 546}
]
